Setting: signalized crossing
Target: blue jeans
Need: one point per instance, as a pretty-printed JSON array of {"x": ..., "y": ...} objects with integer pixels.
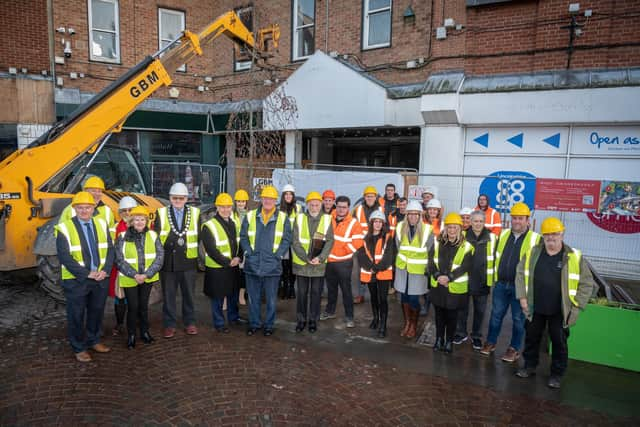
[
  {"x": 85, "y": 310},
  {"x": 255, "y": 286},
  {"x": 412, "y": 300},
  {"x": 217, "y": 314},
  {"x": 504, "y": 295}
]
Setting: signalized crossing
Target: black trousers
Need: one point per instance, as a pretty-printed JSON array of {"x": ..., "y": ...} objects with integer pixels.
[
  {"x": 308, "y": 295},
  {"x": 446, "y": 321},
  {"x": 171, "y": 281},
  {"x": 85, "y": 310},
  {"x": 379, "y": 291},
  {"x": 558, "y": 334},
  {"x": 339, "y": 274},
  {"x": 138, "y": 308},
  {"x": 287, "y": 277},
  {"x": 479, "y": 308}
]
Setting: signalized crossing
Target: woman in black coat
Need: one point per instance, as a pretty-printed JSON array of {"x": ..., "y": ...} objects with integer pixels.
[
  {"x": 220, "y": 237},
  {"x": 449, "y": 264}
]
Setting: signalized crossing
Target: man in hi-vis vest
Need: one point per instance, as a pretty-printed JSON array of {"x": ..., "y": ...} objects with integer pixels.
[
  {"x": 86, "y": 255},
  {"x": 265, "y": 237},
  {"x": 553, "y": 284}
]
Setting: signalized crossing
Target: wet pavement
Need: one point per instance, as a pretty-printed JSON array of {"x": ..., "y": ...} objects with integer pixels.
[{"x": 337, "y": 376}]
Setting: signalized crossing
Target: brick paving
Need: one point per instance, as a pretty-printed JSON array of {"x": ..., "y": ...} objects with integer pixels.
[{"x": 216, "y": 379}]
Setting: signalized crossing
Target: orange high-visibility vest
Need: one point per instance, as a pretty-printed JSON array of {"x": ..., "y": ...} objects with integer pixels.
[
  {"x": 365, "y": 276},
  {"x": 347, "y": 238},
  {"x": 362, "y": 218},
  {"x": 492, "y": 220}
]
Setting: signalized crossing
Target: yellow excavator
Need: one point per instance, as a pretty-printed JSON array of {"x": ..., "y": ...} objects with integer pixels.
[{"x": 37, "y": 182}]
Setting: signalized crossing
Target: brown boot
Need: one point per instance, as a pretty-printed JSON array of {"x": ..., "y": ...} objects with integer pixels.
[
  {"x": 413, "y": 323},
  {"x": 405, "y": 312}
]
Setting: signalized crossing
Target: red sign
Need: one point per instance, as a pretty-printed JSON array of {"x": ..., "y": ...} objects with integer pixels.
[{"x": 568, "y": 195}]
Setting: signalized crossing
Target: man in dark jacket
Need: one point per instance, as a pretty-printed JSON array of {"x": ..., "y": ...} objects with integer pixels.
[
  {"x": 265, "y": 236},
  {"x": 480, "y": 279},
  {"x": 86, "y": 255}
]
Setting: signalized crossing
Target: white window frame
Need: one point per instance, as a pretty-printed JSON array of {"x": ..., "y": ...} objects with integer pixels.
[
  {"x": 182, "y": 15},
  {"x": 365, "y": 25},
  {"x": 295, "y": 27},
  {"x": 243, "y": 65},
  {"x": 116, "y": 12}
]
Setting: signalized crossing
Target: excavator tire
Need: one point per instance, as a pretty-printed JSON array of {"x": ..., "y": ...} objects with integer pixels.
[{"x": 49, "y": 274}]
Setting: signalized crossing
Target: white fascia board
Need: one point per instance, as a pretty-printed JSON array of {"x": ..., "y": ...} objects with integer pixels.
[
  {"x": 327, "y": 95},
  {"x": 602, "y": 105},
  {"x": 403, "y": 112},
  {"x": 440, "y": 109}
]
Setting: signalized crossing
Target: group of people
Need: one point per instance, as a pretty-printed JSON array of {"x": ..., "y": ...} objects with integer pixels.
[{"x": 385, "y": 244}]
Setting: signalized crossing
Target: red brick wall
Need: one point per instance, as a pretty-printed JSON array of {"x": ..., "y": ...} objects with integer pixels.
[
  {"x": 519, "y": 36},
  {"x": 23, "y": 31}
]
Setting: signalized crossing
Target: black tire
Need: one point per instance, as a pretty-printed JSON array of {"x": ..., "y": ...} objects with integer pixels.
[{"x": 49, "y": 274}]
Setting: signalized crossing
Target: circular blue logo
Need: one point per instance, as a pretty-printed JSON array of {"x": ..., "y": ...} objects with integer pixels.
[{"x": 505, "y": 188}]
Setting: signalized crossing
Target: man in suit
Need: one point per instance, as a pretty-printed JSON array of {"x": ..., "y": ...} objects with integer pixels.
[{"x": 86, "y": 255}]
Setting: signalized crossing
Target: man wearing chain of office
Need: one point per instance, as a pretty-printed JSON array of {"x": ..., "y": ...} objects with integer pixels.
[{"x": 178, "y": 227}]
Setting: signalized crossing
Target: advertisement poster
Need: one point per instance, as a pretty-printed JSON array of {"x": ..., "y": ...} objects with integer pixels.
[
  {"x": 256, "y": 188},
  {"x": 620, "y": 198},
  {"x": 567, "y": 195}
]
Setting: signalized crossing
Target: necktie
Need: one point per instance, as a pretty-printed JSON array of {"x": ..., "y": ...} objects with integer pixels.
[{"x": 91, "y": 241}]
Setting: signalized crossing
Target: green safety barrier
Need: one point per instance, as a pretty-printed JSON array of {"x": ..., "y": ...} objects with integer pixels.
[{"x": 608, "y": 336}]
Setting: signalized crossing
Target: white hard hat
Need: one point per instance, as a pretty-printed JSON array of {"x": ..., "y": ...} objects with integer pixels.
[
  {"x": 377, "y": 215},
  {"x": 434, "y": 203},
  {"x": 288, "y": 187},
  {"x": 432, "y": 189},
  {"x": 127, "y": 202},
  {"x": 466, "y": 211},
  {"x": 414, "y": 206},
  {"x": 179, "y": 189}
]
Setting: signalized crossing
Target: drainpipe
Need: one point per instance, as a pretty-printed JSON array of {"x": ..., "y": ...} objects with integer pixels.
[
  {"x": 52, "y": 52},
  {"x": 326, "y": 23}
]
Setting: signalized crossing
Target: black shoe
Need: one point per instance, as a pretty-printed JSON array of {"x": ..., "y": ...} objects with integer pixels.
[
  {"x": 525, "y": 372},
  {"x": 382, "y": 331},
  {"x": 459, "y": 339},
  {"x": 268, "y": 332},
  {"x": 131, "y": 342},
  {"x": 477, "y": 343},
  {"x": 223, "y": 330},
  {"x": 251, "y": 331},
  {"x": 438, "y": 345},
  {"x": 554, "y": 381},
  {"x": 374, "y": 323},
  {"x": 147, "y": 338},
  {"x": 300, "y": 326},
  {"x": 448, "y": 347},
  {"x": 313, "y": 327}
]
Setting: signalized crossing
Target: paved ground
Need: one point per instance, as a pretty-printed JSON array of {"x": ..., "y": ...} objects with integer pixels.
[{"x": 335, "y": 377}]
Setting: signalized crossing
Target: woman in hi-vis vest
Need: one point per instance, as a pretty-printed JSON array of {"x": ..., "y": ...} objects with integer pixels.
[{"x": 139, "y": 255}]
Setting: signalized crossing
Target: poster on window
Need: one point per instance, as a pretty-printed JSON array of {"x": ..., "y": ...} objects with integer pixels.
[
  {"x": 620, "y": 198},
  {"x": 257, "y": 185},
  {"x": 567, "y": 195}
]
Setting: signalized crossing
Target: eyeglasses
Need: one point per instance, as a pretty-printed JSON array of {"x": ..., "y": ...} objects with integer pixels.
[{"x": 177, "y": 198}]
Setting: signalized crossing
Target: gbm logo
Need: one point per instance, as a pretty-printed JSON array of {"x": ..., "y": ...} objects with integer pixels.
[{"x": 505, "y": 188}]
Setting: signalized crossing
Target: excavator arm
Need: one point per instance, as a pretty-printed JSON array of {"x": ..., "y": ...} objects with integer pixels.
[{"x": 27, "y": 194}]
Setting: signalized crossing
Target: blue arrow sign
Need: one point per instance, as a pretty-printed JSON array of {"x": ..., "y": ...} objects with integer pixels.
[
  {"x": 516, "y": 140},
  {"x": 483, "y": 140},
  {"x": 553, "y": 140}
]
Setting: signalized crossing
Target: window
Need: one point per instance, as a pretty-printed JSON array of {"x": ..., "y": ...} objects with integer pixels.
[
  {"x": 304, "y": 21},
  {"x": 240, "y": 62},
  {"x": 170, "y": 27},
  {"x": 104, "y": 31},
  {"x": 377, "y": 24}
]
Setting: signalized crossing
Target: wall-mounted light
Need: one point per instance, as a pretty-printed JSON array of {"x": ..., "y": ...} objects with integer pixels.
[{"x": 409, "y": 16}]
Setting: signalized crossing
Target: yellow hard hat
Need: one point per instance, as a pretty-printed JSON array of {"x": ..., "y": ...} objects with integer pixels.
[
  {"x": 83, "y": 198},
  {"x": 453, "y": 218},
  {"x": 269, "y": 191},
  {"x": 241, "y": 195},
  {"x": 313, "y": 195},
  {"x": 370, "y": 190},
  {"x": 552, "y": 225},
  {"x": 93, "y": 182},
  {"x": 139, "y": 211},
  {"x": 520, "y": 209},
  {"x": 224, "y": 199}
]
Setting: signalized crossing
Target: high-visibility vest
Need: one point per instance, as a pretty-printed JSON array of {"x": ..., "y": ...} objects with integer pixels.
[
  {"x": 294, "y": 213},
  {"x": 531, "y": 238},
  {"x": 492, "y": 220},
  {"x": 222, "y": 240},
  {"x": 302, "y": 222},
  {"x": 461, "y": 284},
  {"x": 412, "y": 255},
  {"x": 104, "y": 212},
  {"x": 70, "y": 232},
  {"x": 279, "y": 232},
  {"x": 392, "y": 220},
  {"x": 347, "y": 239},
  {"x": 362, "y": 218},
  {"x": 574, "y": 273},
  {"x": 387, "y": 274},
  {"x": 491, "y": 247},
  {"x": 192, "y": 232},
  {"x": 130, "y": 255}
]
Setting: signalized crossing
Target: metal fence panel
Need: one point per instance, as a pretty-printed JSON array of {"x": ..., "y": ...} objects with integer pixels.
[{"x": 203, "y": 181}]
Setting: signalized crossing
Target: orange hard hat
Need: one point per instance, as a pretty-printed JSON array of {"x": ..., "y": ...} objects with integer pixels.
[{"x": 329, "y": 194}]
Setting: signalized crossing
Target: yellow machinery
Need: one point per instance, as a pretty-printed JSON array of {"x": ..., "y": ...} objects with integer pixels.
[{"x": 37, "y": 182}]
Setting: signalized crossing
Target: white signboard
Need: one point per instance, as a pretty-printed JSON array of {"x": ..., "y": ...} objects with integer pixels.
[
  {"x": 606, "y": 140},
  {"x": 529, "y": 140}
]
